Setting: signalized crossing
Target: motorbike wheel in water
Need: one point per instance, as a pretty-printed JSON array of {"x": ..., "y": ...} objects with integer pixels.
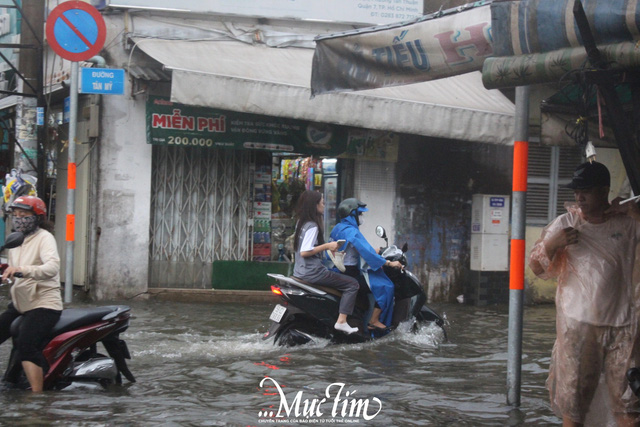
[
  {"x": 91, "y": 366},
  {"x": 292, "y": 335},
  {"x": 427, "y": 315}
]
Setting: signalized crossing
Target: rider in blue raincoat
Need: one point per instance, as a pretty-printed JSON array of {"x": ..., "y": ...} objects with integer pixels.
[{"x": 350, "y": 217}]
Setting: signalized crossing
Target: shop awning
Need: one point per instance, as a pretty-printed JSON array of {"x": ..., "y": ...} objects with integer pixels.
[{"x": 275, "y": 81}]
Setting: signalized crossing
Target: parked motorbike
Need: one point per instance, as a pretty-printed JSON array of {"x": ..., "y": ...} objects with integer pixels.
[
  {"x": 71, "y": 352},
  {"x": 309, "y": 311}
]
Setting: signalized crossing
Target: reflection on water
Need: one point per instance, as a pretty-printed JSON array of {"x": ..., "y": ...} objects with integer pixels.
[{"x": 199, "y": 364}]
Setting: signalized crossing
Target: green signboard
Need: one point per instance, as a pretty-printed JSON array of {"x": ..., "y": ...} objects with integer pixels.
[{"x": 170, "y": 123}]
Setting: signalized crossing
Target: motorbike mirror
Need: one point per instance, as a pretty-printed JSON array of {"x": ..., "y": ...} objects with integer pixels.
[
  {"x": 405, "y": 248},
  {"x": 13, "y": 240},
  {"x": 380, "y": 232}
]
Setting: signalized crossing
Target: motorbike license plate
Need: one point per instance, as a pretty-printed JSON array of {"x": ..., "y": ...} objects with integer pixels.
[{"x": 277, "y": 313}]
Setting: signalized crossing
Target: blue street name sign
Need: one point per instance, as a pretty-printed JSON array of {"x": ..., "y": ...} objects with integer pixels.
[
  {"x": 66, "y": 111},
  {"x": 40, "y": 116},
  {"x": 106, "y": 81}
]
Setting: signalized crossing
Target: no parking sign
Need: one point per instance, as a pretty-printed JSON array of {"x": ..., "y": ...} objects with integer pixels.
[{"x": 76, "y": 31}]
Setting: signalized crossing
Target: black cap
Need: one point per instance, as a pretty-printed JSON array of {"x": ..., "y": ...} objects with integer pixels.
[{"x": 589, "y": 175}]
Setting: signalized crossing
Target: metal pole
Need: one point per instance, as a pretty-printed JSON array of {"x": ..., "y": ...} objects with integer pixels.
[
  {"x": 518, "y": 226},
  {"x": 71, "y": 181}
]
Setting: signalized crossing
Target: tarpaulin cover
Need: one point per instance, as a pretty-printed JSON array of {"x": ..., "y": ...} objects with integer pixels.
[
  {"x": 275, "y": 81},
  {"x": 539, "y": 41},
  {"x": 546, "y": 67},
  {"x": 524, "y": 27}
]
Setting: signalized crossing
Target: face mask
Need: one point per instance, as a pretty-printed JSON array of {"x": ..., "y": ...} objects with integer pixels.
[
  {"x": 360, "y": 219},
  {"x": 26, "y": 224}
]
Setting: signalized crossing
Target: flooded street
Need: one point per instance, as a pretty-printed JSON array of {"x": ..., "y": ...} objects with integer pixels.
[{"x": 201, "y": 364}]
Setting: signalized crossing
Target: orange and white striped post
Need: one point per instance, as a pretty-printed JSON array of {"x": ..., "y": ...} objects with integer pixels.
[
  {"x": 71, "y": 181},
  {"x": 520, "y": 160},
  {"x": 71, "y": 185},
  {"x": 518, "y": 232}
]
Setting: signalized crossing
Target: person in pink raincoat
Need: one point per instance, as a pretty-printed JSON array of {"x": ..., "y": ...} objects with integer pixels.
[{"x": 591, "y": 250}]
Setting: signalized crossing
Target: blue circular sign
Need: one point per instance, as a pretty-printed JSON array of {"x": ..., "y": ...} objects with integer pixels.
[{"x": 76, "y": 31}]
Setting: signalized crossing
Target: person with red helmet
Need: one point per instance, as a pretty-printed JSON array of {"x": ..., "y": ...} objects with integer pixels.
[{"x": 35, "y": 295}]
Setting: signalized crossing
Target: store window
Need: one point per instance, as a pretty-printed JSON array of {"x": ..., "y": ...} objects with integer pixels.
[{"x": 279, "y": 179}]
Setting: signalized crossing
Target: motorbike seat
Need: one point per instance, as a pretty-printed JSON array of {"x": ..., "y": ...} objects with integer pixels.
[
  {"x": 72, "y": 318},
  {"x": 323, "y": 289},
  {"x": 327, "y": 289}
]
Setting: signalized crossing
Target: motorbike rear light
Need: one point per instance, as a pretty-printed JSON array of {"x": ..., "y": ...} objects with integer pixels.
[
  {"x": 292, "y": 291},
  {"x": 286, "y": 290}
]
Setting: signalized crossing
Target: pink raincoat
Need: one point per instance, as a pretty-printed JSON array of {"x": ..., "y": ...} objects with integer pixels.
[{"x": 596, "y": 321}]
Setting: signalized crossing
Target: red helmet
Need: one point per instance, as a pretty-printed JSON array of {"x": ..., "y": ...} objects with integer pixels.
[{"x": 30, "y": 203}]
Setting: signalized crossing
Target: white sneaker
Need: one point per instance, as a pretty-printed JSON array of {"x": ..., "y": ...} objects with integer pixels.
[
  {"x": 337, "y": 259},
  {"x": 344, "y": 327}
]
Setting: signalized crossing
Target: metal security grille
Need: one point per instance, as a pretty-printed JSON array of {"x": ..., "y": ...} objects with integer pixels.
[
  {"x": 199, "y": 213},
  {"x": 377, "y": 176},
  {"x": 549, "y": 169},
  {"x": 375, "y": 184}
]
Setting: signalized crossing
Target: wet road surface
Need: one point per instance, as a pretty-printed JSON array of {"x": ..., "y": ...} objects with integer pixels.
[{"x": 206, "y": 365}]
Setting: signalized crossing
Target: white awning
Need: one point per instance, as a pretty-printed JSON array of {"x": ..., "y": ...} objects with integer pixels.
[{"x": 275, "y": 81}]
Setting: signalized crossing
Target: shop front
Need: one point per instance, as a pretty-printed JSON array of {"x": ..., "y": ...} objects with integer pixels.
[
  {"x": 225, "y": 169},
  {"x": 224, "y": 189}
]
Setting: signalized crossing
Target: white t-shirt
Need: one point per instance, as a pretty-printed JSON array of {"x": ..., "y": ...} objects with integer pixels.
[{"x": 309, "y": 241}]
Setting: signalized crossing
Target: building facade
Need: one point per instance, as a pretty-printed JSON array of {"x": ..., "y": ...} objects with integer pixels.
[{"x": 187, "y": 179}]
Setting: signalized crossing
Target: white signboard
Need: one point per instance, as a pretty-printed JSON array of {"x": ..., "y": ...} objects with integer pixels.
[{"x": 351, "y": 11}]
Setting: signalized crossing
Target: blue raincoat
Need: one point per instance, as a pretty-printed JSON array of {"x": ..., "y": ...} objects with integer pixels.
[{"x": 381, "y": 286}]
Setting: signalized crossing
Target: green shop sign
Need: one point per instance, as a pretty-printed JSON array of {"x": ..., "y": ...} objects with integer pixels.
[{"x": 169, "y": 123}]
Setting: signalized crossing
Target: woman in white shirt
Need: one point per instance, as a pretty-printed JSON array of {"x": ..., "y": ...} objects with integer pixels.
[{"x": 310, "y": 245}]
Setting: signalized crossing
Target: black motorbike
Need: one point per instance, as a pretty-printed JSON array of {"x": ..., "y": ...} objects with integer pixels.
[{"x": 308, "y": 311}]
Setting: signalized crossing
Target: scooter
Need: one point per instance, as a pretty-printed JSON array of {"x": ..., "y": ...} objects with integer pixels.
[
  {"x": 71, "y": 352},
  {"x": 309, "y": 311}
]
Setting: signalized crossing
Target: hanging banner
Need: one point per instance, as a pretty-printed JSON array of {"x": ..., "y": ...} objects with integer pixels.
[
  {"x": 170, "y": 123},
  {"x": 439, "y": 45}
]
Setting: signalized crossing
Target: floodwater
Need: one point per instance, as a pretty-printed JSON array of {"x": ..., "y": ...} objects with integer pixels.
[{"x": 206, "y": 365}]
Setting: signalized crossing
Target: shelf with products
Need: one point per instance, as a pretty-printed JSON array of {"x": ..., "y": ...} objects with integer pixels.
[
  {"x": 262, "y": 208},
  {"x": 274, "y": 200}
]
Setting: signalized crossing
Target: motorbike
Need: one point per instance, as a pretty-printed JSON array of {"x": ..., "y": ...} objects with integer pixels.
[
  {"x": 307, "y": 311},
  {"x": 72, "y": 348}
]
